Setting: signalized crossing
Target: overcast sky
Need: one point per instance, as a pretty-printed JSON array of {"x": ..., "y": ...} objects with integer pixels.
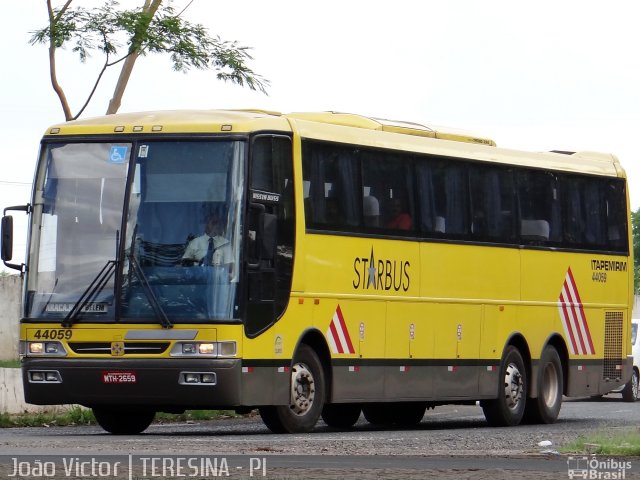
[{"x": 531, "y": 75}]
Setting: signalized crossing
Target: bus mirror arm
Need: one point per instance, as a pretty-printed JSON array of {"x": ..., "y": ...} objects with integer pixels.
[{"x": 7, "y": 237}]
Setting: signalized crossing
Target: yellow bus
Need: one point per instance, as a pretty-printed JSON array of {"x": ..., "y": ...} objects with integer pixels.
[{"x": 316, "y": 265}]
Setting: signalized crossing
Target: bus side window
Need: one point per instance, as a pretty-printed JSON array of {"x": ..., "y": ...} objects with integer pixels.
[
  {"x": 431, "y": 221},
  {"x": 450, "y": 187},
  {"x": 615, "y": 208},
  {"x": 332, "y": 172},
  {"x": 389, "y": 193},
  {"x": 540, "y": 214},
  {"x": 492, "y": 203}
]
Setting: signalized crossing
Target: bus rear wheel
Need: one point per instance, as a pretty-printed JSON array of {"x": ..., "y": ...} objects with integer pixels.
[
  {"x": 123, "y": 422},
  {"x": 378, "y": 413},
  {"x": 508, "y": 408},
  {"x": 545, "y": 408},
  {"x": 630, "y": 391},
  {"x": 341, "y": 415},
  {"x": 408, "y": 414},
  {"x": 404, "y": 414},
  {"x": 307, "y": 396}
]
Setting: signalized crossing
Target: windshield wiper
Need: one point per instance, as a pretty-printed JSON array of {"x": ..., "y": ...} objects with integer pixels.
[
  {"x": 153, "y": 300},
  {"x": 148, "y": 291},
  {"x": 91, "y": 292}
]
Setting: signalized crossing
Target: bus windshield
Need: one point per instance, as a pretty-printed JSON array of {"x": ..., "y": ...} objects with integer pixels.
[{"x": 175, "y": 256}]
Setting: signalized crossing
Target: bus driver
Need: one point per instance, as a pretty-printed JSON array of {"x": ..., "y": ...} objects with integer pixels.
[{"x": 210, "y": 248}]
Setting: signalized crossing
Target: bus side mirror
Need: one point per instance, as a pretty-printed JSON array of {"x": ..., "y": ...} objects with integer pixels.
[{"x": 7, "y": 238}]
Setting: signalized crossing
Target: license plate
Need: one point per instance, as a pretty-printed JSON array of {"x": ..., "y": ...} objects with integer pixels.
[{"x": 119, "y": 377}]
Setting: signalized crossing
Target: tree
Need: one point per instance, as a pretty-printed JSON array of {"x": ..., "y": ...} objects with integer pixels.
[
  {"x": 152, "y": 28},
  {"x": 635, "y": 223}
]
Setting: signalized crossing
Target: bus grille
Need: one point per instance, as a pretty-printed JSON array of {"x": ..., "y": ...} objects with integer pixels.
[
  {"x": 613, "y": 323},
  {"x": 130, "y": 348}
]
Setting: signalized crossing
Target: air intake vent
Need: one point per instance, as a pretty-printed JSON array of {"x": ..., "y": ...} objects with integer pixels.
[
  {"x": 613, "y": 323},
  {"x": 130, "y": 348}
]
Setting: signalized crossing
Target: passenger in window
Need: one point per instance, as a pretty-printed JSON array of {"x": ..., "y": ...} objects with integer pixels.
[
  {"x": 210, "y": 248},
  {"x": 371, "y": 211},
  {"x": 399, "y": 219}
]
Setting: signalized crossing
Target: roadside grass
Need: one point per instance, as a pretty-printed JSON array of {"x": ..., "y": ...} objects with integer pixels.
[
  {"x": 73, "y": 416},
  {"x": 625, "y": 443},
  {"x": 83, "y": 416},
  {"x": 9, "y": 363}
]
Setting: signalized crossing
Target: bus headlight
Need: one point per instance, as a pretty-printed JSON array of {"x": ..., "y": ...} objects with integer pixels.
[
  {"x": 207, "y": 349},
  {"x": 204, "y": 349},
  {"x": 46, "y": 349}
]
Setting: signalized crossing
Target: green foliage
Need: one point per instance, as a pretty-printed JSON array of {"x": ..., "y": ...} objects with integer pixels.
[
  {"x": 9, "y": 363},
  {"x": 107, "y": 29},
  {"x": 119, "y": 34},
  {"x": 606, "y": 443},
  {"x": 83, "y": 416},
  {"x": 73, "y": 416}
]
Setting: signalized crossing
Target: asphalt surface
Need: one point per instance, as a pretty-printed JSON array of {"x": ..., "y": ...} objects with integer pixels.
[{"x": 450, "y": 442}]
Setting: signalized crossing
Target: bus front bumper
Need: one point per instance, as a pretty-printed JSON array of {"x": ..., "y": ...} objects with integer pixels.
[{"x": 172, "y": 384}]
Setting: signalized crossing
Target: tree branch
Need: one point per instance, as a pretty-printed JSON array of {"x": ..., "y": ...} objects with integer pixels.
[
  {"x": 53, "y": 20},
  {"x": 150, "y": 8},
  {"x": 184, "y": 9},
  {"x": 95, "y": 85}
]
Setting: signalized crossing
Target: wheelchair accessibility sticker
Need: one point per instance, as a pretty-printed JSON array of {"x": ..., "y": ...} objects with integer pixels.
[{"x": 118, "y": 154}]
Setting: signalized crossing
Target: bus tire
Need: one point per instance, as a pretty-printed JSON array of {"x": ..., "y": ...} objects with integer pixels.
[
  {"x": 545, "y": 408},
  {"x": 508, "y": 408},
  {"x": 341, "y": 415},
  {"x": 123, "y": 422},
  {"x": 378, "y": 413},
  {"x": 408, "y": 414},
  {"x": 307, "y": 396},
  {"x": 630, "y": 391}
]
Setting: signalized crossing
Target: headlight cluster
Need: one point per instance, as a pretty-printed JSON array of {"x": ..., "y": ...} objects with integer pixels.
[
  {"x": 45, "y": 349},
  {"x": 204, "y": 349}
]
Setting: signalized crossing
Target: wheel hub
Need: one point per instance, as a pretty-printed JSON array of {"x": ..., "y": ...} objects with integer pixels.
[
  {"x": 513, "y": 386},
  {"x": 303, "y": 389},
  {"x": 550, "y": 385}
]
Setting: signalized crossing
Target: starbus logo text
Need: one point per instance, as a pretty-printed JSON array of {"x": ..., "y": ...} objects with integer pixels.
[{"x": 381, "y": 274}]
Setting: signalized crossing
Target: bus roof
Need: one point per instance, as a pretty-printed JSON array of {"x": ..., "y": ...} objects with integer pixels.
[{"x": 339, "y": 127}]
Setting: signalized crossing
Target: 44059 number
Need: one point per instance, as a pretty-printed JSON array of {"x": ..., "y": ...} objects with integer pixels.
[
  {"x": 53, "y": 334},
  {"x": 599, "y": 277}
]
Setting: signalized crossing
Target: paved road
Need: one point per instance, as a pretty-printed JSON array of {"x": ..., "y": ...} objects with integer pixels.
[{"x": 451, "y": 442}]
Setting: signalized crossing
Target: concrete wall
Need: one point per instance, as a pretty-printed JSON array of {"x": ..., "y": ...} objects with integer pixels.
[
  {"x": 10, "y": 297},
  {"x": 11, "y": 392},
  {"x": 12, "y": 395}
]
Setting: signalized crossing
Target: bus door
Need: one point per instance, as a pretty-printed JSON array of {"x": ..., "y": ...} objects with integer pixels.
[{"x": 270, "y": 231}]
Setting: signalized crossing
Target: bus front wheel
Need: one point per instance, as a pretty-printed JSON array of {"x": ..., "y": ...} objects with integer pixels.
[
  {"x": 123, "y": 422},
  {"x": 508, "y": 408},
  {"x": 307, "y": 396}
]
